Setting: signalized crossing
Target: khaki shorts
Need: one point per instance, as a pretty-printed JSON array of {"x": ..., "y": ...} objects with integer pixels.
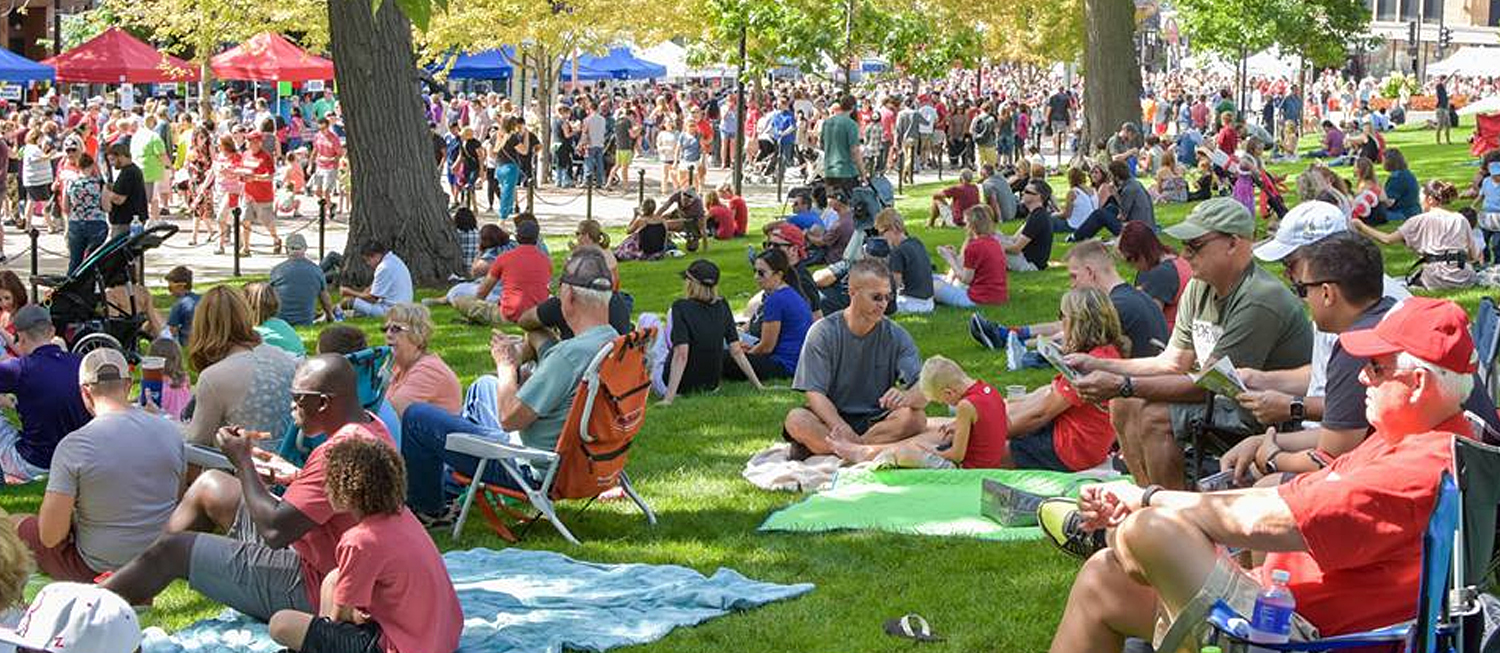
[
  {"x": 326, "y": 180},
  {"x": 1189, "y": 630},
  {"x": 261, "y": 213},
  {"x": 623, "y": 158},
  {"x": 988, "y": 155}
]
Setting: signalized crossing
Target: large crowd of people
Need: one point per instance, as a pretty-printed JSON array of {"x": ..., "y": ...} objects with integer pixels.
[{"x": 319, "y": 529}]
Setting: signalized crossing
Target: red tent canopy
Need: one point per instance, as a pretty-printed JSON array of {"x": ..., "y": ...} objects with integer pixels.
[
  {"x": 116, "y": 57},
  {"x": 269, "y": 57}
]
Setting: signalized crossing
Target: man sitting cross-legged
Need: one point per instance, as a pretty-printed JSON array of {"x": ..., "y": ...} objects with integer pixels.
[
  {"x": 857, "y": 369},
  {"x": 1350, "y": 534},
  {"x": 1230, "y": 308},
  {"x": 113, "y": 483},
  {"x": 252, "y": 570}
]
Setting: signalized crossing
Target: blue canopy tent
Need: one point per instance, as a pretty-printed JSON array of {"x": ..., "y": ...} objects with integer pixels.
[
  {"x": 490, "y": 64},
  {"x": 620, "y": 63},
  {"x": 16, "y": 68}
]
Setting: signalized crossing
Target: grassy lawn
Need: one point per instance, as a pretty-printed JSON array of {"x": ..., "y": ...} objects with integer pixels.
[{"x": 687, "y": 462}]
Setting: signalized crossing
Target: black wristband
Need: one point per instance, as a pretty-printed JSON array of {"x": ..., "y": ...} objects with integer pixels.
[{"x": 1150, "y": 491}]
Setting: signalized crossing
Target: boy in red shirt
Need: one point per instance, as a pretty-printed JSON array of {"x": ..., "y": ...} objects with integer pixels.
[
  {"x": 974, "y": 439},
  {"x": 524, "y": 275},
  {"x": 390, "y": 589},
  {"x": 958, "y": 198}
]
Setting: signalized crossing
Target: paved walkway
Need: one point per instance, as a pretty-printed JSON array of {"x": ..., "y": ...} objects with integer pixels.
[{"x": 558, "y": 210}]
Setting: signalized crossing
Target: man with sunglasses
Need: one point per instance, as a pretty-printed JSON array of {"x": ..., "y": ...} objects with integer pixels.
[
  {"x": 858, "y": 370},
  {"x": 277, "y": 551},
  {"x": 1350, "y": 535},
  {"x": 1231, "y": 308}
]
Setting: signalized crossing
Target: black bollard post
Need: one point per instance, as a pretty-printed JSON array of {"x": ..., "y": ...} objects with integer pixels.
[
  {"x": 236, "y": 212},
  {"x": 322, "y": 225},
  {"x": 641, "y": 193},
  {"x": 530, "y": 194},
  {"x": 588, "y": 207},
  {"x": 34, "y": 233},
  {"x": 900, "y": 174},
  {"x": 780, "y": 173}
]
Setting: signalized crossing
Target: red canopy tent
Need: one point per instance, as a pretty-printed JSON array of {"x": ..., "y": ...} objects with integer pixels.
[
  {"x": 116, "y": 57},
  {"x": 269, "y": 57}
]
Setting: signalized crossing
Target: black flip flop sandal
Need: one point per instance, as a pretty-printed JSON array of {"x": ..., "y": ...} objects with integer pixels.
[{"x": 912, "y": 627}]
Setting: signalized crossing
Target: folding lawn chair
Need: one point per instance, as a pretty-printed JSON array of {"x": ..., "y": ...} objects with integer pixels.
[
  {"x": 1486, "y": 333},
  {"x": 608, "y": 411},
  {"x": 373, "y": 369},
  {"x": 1456, "y": 551}
]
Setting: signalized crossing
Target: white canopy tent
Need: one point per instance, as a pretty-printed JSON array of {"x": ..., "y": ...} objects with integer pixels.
[
  {"x": 1270, "y": 63},
  {"x": 1469, "y": 60},
  {"x": 1490, "y": 104},
  {"x": 674, "y": 57}
]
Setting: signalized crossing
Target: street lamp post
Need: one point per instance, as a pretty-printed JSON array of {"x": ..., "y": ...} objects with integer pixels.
[
  {"x": 739, "y": 115},
  {"x": 849, "y": 47}
]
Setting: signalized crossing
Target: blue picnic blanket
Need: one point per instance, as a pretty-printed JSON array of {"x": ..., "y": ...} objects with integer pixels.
[{"x": 518, "y": 601}]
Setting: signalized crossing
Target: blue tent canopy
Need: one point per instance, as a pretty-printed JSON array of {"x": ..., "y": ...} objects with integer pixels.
[
  {"x": 620, "y": 63},
  {"x": 490, "y": 64},
  {"x": 16, "y": 68}
]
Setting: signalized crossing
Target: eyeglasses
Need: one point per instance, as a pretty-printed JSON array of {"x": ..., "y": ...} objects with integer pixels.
[
  {"x": 301, "y": 396},
  {"x": 394, "y": 328},
  {"x": 1300, "y": 287},
  {"x": 1029, "y": 192},
  {"x": 1195, "y": 246}
]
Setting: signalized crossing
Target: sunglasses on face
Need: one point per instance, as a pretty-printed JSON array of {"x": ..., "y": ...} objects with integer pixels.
[
  {"x": 390, "y": 329},
  {"x": 761, "y": 273},
  {"x": 1193, "y": 247},
  {"x": 300, "y": 397},
  {"x": 771, "y": 243},
  {"x": 1300, "y": 287}
]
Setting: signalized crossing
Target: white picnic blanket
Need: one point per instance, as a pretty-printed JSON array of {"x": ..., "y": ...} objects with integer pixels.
[{"x": 773, "y": 470}]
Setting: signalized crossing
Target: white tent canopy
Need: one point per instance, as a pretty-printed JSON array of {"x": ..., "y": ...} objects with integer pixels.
[
  {"x": 674, "y": 57},
  {"x": 1270, "y": 63},
  {"x": 1469, "y": 60}
]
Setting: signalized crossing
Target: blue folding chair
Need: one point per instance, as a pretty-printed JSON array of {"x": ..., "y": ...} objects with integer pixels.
[
  {"x": 1486, "y": 333},
  {"x": 373, "y": 367},
  {"x": 1457, "y": 550}
]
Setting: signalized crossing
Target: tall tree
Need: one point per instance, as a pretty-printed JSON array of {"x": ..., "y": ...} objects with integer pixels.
[
  {"x": 1112, "y": 80},
  {"x": 394, "y": 178},
  {"x": 1319, "y": 30}
]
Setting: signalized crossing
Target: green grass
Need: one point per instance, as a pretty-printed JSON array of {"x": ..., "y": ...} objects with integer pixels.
[{"x": 687, "y": 462}]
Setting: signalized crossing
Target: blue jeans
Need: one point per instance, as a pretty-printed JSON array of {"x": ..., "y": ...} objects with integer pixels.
[
  {"x": 424, "y": 440},
  {"x": 561, "y": 174},
  {"x": 84, "y": 236},
  {"x": 949, "y": 294},
  {"x": 1105, "y": 218},
  {"x": 507, "y": 175},
  {"x": 593, "y": 166}
]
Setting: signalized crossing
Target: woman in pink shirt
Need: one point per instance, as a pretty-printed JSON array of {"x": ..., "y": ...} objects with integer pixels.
[{"x": 417, "y": 375}]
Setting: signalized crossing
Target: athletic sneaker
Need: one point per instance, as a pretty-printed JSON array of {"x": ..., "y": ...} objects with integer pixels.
[
  {"x": 1060, "y": 520},
  {"x": 1015, "y": 350},
  {"x": 980, "y": 331},
  {"x": 442, "y": 519}
]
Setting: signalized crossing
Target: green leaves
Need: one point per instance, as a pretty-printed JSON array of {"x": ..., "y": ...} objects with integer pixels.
[{"x": 1317, "y": 29}]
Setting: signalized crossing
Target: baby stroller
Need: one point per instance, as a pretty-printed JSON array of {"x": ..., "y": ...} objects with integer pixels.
[
  {"x": 84, "y": 314},
  {"x": 762, "y": 169}
]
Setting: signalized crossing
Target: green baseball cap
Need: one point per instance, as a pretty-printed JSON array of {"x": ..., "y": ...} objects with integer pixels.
[{"x": 1217, "y": 215}]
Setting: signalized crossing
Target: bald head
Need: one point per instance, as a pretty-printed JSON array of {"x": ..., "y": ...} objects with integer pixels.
[{"x": 329, "y": 374}]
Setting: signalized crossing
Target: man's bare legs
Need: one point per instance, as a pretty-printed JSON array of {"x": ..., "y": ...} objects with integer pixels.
[
  {"x": 1155, "y": 555},
  {"x": 1144, "y": 429},
  {"x": 289, "y": 627},
  {"x": 209, "y": 505},
  {"x": 807, "y": 428},
  {"x": 150, "y": 572},
  {"x": 907, "y": 452}
]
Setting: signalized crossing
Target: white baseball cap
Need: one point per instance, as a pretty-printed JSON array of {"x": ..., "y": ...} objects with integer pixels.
[
  {"x": 1307, "y": 223},
  {"x": 76, "y": 618}
]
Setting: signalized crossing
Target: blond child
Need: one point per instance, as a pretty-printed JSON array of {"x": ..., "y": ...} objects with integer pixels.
[{"x": 975, "y": 438}]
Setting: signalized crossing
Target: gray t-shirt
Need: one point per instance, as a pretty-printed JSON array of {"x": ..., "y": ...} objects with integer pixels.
[
  {"x": 995, "y": 186},
  {"x": 910, "y": 260},
  {"x": 123, "y": 471},
  {"x": 1135, "y": 204},
  {"x": 297, "y": 283},
  {"x": 549, "y": 392},
  {"x": 853, "y": 372}
]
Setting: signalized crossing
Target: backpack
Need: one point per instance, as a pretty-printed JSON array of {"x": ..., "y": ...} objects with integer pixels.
[{"x": 589, "y": 468}]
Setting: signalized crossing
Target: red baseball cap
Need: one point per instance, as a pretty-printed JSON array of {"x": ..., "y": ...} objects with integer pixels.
[
  {"x": 792, "y": 234},
  {"x": 1434, "y": 330}
]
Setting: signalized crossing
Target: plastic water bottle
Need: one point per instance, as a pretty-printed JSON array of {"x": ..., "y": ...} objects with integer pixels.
[
  {"x": 1272, "y": 621},
  {"x": 338, "y": 315}
]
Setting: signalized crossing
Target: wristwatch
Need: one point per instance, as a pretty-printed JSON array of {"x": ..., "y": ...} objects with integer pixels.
[
  {"x": 1127, "y": 388},
  {"x": 1298, "y": 409}
]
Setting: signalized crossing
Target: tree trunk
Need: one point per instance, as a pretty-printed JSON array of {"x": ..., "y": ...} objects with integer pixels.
[
  {"x": 396, "y": 199},
  {"x": 1112, "y": 83}
]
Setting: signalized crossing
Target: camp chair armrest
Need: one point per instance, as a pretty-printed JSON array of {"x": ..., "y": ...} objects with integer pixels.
[
  {"x": 480, "y": 446},
  {"x": 1236, "y": 625}
]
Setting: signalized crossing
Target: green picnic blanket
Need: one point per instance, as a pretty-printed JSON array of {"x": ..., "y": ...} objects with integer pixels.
[{"x": 941, "y": 502}]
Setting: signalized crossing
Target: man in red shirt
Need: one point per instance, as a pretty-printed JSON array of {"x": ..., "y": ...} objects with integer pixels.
[
  {"x": 1350, "y": 534},
  {"x": 252, "y": 569},
  {"x": 257, "y": 169},
  {"x": 524, "y": 275},
  {"x": 958, "y": 198}
]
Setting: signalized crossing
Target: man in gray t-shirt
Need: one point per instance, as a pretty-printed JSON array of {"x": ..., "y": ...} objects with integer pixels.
[
  {"x": 856, "y": 368},
  {"x": 997, "y": 193},
  {"x": 300, "y": 285},
  {"x": 113, "y": 483}
]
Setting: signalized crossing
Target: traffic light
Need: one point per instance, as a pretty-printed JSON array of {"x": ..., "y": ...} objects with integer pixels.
[{"x": 1445, "y": 37}]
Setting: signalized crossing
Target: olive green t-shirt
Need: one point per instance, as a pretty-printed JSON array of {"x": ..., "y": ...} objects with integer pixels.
[
  {"x": 1260, "y": 325},
  {"x": 840, "y": 136}
]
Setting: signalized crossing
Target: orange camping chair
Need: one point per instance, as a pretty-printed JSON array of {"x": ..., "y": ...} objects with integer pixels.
[
  {"x": 1486, "y": 134},
  {"x": 608, "y": 411}
]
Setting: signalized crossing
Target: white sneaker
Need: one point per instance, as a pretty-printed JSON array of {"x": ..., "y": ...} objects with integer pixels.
[{"x": 1014, "y": 350}]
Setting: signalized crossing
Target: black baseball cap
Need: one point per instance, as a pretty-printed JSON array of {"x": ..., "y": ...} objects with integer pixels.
[
  {"x": 703, "y": 271},
  {"x": 588, "y": 269}
]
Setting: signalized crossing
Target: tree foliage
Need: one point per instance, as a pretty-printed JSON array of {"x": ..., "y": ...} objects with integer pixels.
[
  {"x": 1320, "y": 30},
  {"x": 197, "y": 29}
]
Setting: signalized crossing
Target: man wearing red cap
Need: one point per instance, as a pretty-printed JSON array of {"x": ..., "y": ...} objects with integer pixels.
[{"x": 1349, "y": 534}]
